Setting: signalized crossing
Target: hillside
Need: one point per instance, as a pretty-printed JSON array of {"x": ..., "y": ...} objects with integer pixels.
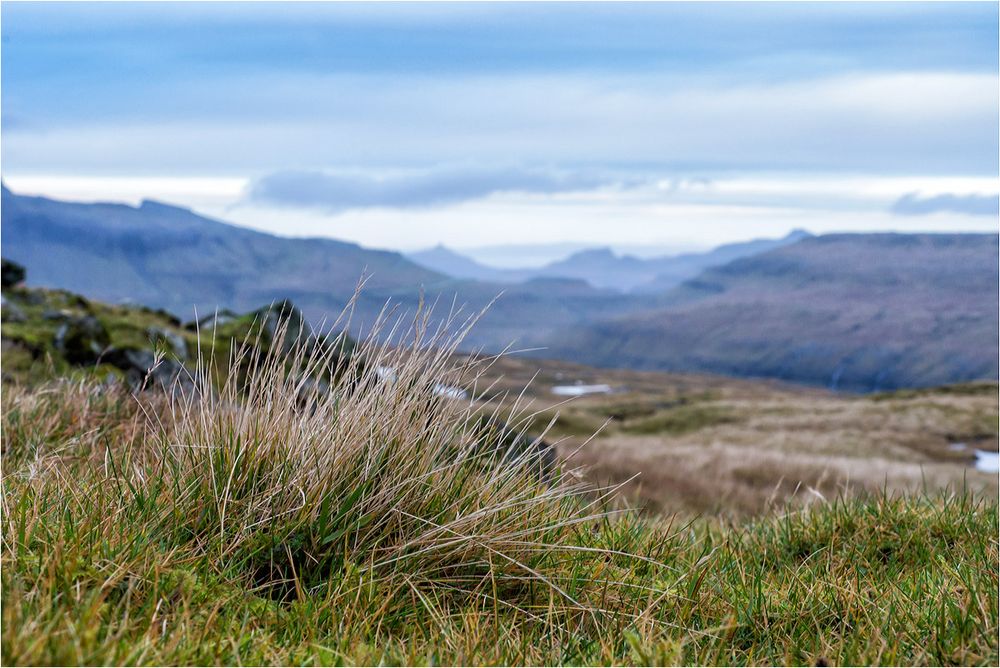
[
  {"x": 856, "y": 312},
  {"x": 674, "y": 270},
  {"x": 49, "y": 334},
  {"x": 171, "y": 258},
  {"x": 711, "y": 445}
]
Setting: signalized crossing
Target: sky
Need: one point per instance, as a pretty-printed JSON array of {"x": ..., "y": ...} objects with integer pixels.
[{"x": 645, "y": 127}]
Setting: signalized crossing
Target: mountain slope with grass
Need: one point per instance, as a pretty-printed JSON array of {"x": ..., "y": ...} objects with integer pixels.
[
  {"x": 849, "y": 311},
  {"x": 48, "y": 334}
]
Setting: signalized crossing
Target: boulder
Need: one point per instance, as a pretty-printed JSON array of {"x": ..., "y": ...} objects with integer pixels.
[
  {"x": 144, "y": 371},
  {"x": 175, "y": 342},
  {"x": 81, "y": 340},
  {"x": 309, "y": 392},
  {"x": 285, "y": 317},
  {"x": 11, "y": 273}
]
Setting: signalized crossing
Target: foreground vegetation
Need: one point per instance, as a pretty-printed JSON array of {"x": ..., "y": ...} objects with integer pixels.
[
  {"x": 258, "y": 520},
  {"x": 172, "y": 496}
]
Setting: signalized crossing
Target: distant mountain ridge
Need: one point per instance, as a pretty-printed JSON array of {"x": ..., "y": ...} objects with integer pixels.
[
  {"x": 445, "y": 261},
  {"x": 849, "y": 311},
  {"x": 155, "y": 253},
  {"x": 858, "y": 312},
  {"x": 169, "y": 257},
  {"x": 602, "y": 267}
]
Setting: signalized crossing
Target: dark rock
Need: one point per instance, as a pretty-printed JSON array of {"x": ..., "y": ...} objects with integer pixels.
[
  {"x": 309, "y": 392},
  {"x": 128, "y": 359},
  {"x": 31, "y": 297},
  {"x": 11, "y": 273},
  {"x": 32, "y": 349},
  {"x": 176, "y": 342},
  {"x": 79, "y": 302},
  {"x": 144, "y": 370},
  {"x": 281, "y": 330},
  {"x": 284, "y": 319},
  {"x": 81, "y": 340},
  {"x": 211, "y": 321}
]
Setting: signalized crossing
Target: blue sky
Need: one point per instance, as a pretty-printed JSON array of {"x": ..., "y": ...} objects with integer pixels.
[{"x": 405, "y": 125}]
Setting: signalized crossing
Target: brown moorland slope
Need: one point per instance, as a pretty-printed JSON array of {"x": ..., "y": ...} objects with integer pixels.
[{"x": 697, "y": 443}]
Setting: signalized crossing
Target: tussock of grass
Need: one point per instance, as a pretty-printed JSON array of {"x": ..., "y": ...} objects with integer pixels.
[{"x": 254, "y": 520}]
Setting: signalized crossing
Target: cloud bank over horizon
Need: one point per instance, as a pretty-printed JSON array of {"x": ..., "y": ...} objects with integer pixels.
[
  {"x": 912, "y": 204},
  {"x": 360, "y": 120},
  {"x": 335, "y": 193}
]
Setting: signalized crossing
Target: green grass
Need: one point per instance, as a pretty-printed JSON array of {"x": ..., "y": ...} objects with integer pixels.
[
  {"x": 880, "y": 581},
  {"x": 31, "y": 357},
  {"x": 682, "y": 419},
  {"x": 247, "y": 523}
]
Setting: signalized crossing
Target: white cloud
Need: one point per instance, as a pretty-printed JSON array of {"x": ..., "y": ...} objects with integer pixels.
[
  {"x": 931, "y": 122},
  {"x": 734, "y": 207},
  {"x": 336, "y": 192},
  {"x": 200, "y": 192},
  {"x": 917, "y": 204}
]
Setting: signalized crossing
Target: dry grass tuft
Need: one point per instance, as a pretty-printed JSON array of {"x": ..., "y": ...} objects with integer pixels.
[{"x": 378, "y": 496}]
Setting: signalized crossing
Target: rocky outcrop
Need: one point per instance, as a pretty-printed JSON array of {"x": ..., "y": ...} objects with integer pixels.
[
  {"x": 11, "y": 312},
  {"x": 283, "y": 320},
  {"x": 174, "y": 342},
  {"x": 150, "y": 347},
  {"x": 284, "y": 329},
  {"x": 81, "y": 339},
  {"x": 146, "y": 370}
]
